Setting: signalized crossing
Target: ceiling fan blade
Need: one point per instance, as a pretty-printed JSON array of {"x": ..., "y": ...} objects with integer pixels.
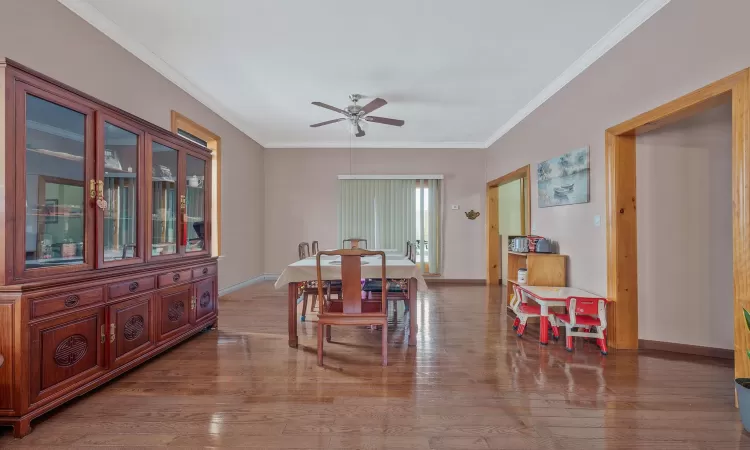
[
  {"x": 385, "y": 120},
  {"x": 332, "y": 108},
  {"x": 373, "y": 105},
  {"x": 327, "y": 122},
  {"x": 360, "y": 131}
]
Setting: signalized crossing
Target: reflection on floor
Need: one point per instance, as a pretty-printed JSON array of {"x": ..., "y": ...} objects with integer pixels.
[{"x": 469, "y": 383}]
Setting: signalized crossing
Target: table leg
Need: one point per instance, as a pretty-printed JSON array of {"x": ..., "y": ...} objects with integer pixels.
[
  {"x": 292, "y": 325},
  {"x": 544, "y": 325},
  {"x": 413, "y": 311}
]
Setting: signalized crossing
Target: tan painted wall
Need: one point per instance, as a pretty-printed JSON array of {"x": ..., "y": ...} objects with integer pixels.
[
  {"x": 47, "y": 37},
  {"x": 509, "y": 220},
  {"x": 686, "y": 45},
  {"x": 302, "y": 199},
  {"x": 684, "y": 193}
]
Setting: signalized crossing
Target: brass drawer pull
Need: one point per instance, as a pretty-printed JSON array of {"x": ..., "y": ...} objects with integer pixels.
[
  {"x": 205, "y": 270},
  {"x": 133, "y": 286},
  {"x": 104, "y": 335},
  {"x": 176, "y": 277},
  {"x": 2, "y": 360},
  {"x": 71, "y": 301},
  {"x": 112, "y": 329}
]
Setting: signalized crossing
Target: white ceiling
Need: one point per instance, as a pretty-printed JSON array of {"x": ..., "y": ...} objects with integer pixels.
[{"x": 460, "y": 73}]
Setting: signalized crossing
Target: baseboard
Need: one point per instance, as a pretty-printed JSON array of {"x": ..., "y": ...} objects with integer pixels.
[
  {"x": 686, "y": 349},
  {"x": 464, "y": 281},
  {"x": 250, "y": 282}
]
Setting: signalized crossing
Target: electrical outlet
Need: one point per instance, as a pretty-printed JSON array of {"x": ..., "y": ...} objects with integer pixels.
[
  {"x": 533, "y": 228},
  {"x": 597, "y": 220},
  {"x": 454, "y": 207}
]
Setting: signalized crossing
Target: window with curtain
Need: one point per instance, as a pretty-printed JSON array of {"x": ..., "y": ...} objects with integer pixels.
[{"x": 390, "y": 212}]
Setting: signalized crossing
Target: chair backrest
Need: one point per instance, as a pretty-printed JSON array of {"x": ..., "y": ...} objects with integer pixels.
[
  {"x": 355, "y": 243},
  {"x": 408, "y": 246},
  {"x": 413, "y": 253},
  {"x": 587, "y": 306},
  {"x": 315, "y": 248},
  {"x": 351, "y": 278},
  {"x": 303, "y": 249}
]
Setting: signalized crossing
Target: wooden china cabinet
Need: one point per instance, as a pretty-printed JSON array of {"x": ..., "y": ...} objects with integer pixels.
[{"x": 105, "y": 243}]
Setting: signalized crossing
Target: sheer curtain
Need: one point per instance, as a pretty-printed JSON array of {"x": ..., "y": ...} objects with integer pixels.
[{"x": 390, "y": 212}]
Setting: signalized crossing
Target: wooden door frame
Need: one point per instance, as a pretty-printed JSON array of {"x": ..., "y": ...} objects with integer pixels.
[
  {"x": 492, "y": 237},
  {"x": 622, "y": 257}
]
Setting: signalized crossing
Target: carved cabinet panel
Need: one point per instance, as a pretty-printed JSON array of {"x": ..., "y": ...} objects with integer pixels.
[
  {"x": 174, "y": 310},
  {"x": 130, "y": 331},
  {"x": 65, "y": 351},
  {"x": 205, "y": 299}
]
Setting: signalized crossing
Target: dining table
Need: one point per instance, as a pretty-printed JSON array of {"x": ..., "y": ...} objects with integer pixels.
[
  {"x": 549, "y": 297},
  {"x": 397, "y": 267}
]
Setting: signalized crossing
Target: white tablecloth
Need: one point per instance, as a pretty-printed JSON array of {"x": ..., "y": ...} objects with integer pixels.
[{"x": 396, "y": 267}]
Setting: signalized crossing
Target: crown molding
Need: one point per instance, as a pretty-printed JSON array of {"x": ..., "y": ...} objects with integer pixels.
[
  {"x": 376, "y": 144},
  {"x": 90, "y": 14},
  {"x": 626, "y": 26}
]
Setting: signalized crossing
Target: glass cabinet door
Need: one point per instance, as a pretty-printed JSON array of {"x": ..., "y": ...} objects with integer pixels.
[
  {"x": 56, "y": 161},
  {"x": 164, "y": 203},
  {"x": 195, "y": 202},
  {"x": 119, "y": 162}
]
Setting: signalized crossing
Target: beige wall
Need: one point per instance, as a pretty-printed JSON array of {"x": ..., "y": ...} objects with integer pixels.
[
  {"x": 46, "y": 36},
  {"x": 686, "y": 45},
  {"x": 302, "y": 198},
  {"x": 684, "y": 194},
  {"x": 509, "y": 219}
]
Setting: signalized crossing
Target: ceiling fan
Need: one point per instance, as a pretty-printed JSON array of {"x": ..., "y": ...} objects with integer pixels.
[{"x": 356, "y": 115}]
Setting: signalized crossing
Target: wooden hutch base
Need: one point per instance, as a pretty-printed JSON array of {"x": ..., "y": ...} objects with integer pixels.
[{"x": 94, "y": 282}]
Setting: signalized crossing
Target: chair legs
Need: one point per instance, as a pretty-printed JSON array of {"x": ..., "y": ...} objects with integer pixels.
[
  {"x": 320, "y": 344},
  {"x": 384, "y": 344},
  {"x": 327, "y": 329}
]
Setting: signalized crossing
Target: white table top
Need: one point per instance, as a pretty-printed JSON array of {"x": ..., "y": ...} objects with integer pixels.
[
  {"x": 550, "y": 293},
  {"x": 396, "y": 267}
]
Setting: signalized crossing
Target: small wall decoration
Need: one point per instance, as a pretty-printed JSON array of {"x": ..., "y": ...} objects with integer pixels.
[
  {"x": 472, "y": 214},
  {"x": 564, "y": 180}
]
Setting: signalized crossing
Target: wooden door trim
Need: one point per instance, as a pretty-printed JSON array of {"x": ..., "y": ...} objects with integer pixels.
[
  {"x": 492, "y": 237},
  {"x": 622, "y": 256}
]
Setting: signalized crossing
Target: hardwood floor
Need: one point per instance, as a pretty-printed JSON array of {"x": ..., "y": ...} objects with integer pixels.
[{"x": 469, "y": 384}]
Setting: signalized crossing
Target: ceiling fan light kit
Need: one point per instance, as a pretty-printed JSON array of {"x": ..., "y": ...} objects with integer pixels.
[{"x": 356, "y": 117}]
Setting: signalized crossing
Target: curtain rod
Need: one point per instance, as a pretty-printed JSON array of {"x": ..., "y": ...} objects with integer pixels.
[{"x": 390, "y": 177}]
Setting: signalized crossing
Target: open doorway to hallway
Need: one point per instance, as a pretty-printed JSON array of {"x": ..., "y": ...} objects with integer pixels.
[{"x": 684, "y": 192}]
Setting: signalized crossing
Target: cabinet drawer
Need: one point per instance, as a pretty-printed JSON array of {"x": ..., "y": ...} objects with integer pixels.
[
  {"x": 131, "y": 287},
  {"x": 171, "y": 278},
  {"x": 64, "y": 302},
  {"x": 204, "y": 271}
]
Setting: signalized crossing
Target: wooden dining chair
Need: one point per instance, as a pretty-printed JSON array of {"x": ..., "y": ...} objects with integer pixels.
[
  {"x": 351, "y": 309},
  {"x": 309, "y": 288},
  {"x": 304, "y": 250},
  {"x": 398, "y": 289},
  {"x": 412, "y": 252},
  {"x": 315, "y": 248},
  {"x": 354, "y": 243}
]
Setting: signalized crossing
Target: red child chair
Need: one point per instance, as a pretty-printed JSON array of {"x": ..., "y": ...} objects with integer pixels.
[
  {"x": 589, "y": 316},
  {"x": 524, "y": 311}
]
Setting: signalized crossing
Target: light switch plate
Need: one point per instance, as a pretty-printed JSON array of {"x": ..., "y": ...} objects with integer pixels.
[
  {"x": 454, "y": 206},
  {"x": 597, "y": 220},
  {"x": 533, "y": 228}
]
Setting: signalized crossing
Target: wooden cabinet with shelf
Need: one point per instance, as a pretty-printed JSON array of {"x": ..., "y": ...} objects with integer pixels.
[
  {"x": 542, "y": 269},
  {"x": 107, "y": 234}
]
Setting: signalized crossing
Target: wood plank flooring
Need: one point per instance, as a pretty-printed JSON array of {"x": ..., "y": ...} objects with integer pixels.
[{"x": 469, "y": 384}]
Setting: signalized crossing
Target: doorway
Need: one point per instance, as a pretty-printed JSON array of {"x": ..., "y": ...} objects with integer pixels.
[
  {"x": 510, "y": 195},
  {"x": 622, "y": 224}
]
